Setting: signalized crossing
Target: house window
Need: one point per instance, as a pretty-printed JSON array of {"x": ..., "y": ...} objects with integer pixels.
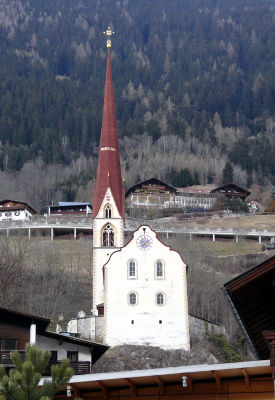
[
  {"x": 53, "y": 358},
  {"x": 159, "y": 269},
  {"x": 132, "y": 269},
  {"x": 108, "y": 236},
  {"x": 17, "y": 213},
  {"x": 8, "y": 344},
  {"x": 72, "y": 355},
  {"x": 160, "y": 299},
  {"x": 108, "y": 211},
  {"x": 8, "y": 214},
  {"x": 132, "y": 299}
]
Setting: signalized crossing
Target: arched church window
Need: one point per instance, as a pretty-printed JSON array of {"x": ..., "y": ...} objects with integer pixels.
[
  {"x": 132, "y": 299},
  {"x": 159, "y": 269},
  {"x": 160, "y": 299},
  {"x": 108, "y": 236},
  {"x": 108, "y": 211},
  {"x": 132, "y": 269}
]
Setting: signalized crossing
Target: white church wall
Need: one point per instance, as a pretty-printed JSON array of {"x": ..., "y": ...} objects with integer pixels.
[{"x": 146, "y": 322}]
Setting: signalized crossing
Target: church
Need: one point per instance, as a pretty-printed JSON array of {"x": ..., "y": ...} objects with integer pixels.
[{"x": 139, "y": 288}]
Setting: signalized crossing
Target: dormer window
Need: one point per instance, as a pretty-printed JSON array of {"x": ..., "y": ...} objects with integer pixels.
[
  {"x": 108, "y": 236},
  {"x": 108, "y": 211}
]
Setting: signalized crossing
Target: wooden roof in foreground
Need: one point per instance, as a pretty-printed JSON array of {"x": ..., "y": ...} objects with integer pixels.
[
  {"x": 252, "y": 297},
  {"x": 204, "y": 382}
]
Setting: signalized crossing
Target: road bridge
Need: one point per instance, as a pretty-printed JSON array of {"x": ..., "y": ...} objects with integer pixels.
[{"x": 52, "y": 227}]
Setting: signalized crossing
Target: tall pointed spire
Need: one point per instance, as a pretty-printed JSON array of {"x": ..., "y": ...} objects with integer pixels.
[{"x": 108, "y": 168}]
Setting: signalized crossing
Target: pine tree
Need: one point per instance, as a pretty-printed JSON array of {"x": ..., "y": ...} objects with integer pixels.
[
  {"x": 23, "y": 380},
  {"x": 227, "y": 174}
]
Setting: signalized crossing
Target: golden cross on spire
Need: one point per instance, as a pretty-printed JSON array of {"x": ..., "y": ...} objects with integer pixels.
[{"x": 108, "y": 34}]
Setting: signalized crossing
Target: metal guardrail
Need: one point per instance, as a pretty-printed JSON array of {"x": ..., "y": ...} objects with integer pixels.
[{"x": 130, "y": 225}]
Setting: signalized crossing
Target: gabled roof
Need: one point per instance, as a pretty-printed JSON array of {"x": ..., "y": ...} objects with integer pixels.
[
  {"x": 13, "y": 316},
  {"x": 15, "y": 204},
  {"x": 151, "y": 181},
  {"x": 19, "y": 318},
  {"x": 98, "y": 349},
  {"x": 252, "y": 297},
  {"x": 108, "y": 167},
  {"x": 231, "y": 186}
]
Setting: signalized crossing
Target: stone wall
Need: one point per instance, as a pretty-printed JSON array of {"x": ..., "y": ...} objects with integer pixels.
[{"x": 199, "y": 328}]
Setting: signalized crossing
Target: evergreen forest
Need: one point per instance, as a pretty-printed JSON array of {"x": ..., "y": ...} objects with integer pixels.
[{"x": 194, "y": 89}]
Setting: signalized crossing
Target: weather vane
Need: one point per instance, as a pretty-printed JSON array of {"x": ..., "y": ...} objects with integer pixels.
[{"x": 109, "y": 33}]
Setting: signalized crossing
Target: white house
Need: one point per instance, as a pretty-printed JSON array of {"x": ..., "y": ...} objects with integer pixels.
[
  {"x": 13, "y": 210},
  {"x": 17, "y": 329}
]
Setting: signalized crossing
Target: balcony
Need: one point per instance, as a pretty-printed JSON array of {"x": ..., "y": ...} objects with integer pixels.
[{"x": 79, "y": 367}]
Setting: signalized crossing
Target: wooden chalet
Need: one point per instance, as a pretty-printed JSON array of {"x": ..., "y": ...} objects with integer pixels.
[
  {"x": 150, "y": 186},
  {"x": 233, "y": 381},
  {"x": 17, "y": 329},
  {"x": 154, "y": 193},
  {"x": 15, "y": 210},
  {"x": 150, "y": 193},
  {"x": 231, "y": 190}
]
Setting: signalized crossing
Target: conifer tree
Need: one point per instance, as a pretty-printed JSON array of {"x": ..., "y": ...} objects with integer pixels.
[
  {"x": 227, "y": 174},
  {"x": 23, "y": 380}
]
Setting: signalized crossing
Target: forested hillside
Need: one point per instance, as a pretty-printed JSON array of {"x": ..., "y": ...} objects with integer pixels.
[{"x": 194, "y": 86}]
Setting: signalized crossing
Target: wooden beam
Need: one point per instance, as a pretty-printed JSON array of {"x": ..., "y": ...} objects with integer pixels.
[
  {"x": 76, "y": 391},
  {"x": 218, "y": 379},
  {"x": 246, "y": 377},
  {"x": 160, "y": 385},
  {"x": 104, "y": 389},
  {"x": 189, "y": 384},
  {"x": 133, "y": 387}
]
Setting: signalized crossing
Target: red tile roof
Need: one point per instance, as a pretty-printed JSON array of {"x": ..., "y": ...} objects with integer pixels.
[{"x": 108, "y": 168}]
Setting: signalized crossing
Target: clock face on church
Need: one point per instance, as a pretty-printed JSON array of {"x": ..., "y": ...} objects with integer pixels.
[{"x": 144, "y": 242}]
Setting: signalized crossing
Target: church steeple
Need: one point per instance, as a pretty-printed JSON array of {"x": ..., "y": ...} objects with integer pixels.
[{"x": 108, "y": 168}]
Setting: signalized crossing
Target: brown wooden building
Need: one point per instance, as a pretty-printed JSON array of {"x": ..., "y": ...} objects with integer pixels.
[
  {"x": 150, "y": 193},
  {"x": 252, "y": 298},
  {"x": 231, "y": 190},
  {"x": 154, "y": 193},
  {"x": 233, "y": 381}
]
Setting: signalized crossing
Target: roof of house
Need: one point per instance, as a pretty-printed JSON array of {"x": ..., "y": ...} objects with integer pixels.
[
  {"x": 252, "y": 298},
  {"x": 231, "y": 187},
  {"x": 150, "y": 182},
  {"x": 15, "y": 205},
  {"x": 97, "y": 348},
  {"x": 10, "y": 315},
  {"x": 172, "y": 375},
  {"x": 17, "y": 317},
  {"x": 108, "y": 167}
]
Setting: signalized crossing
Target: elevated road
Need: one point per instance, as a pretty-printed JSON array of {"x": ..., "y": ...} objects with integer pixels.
[{"x": 52, "y": 227}]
